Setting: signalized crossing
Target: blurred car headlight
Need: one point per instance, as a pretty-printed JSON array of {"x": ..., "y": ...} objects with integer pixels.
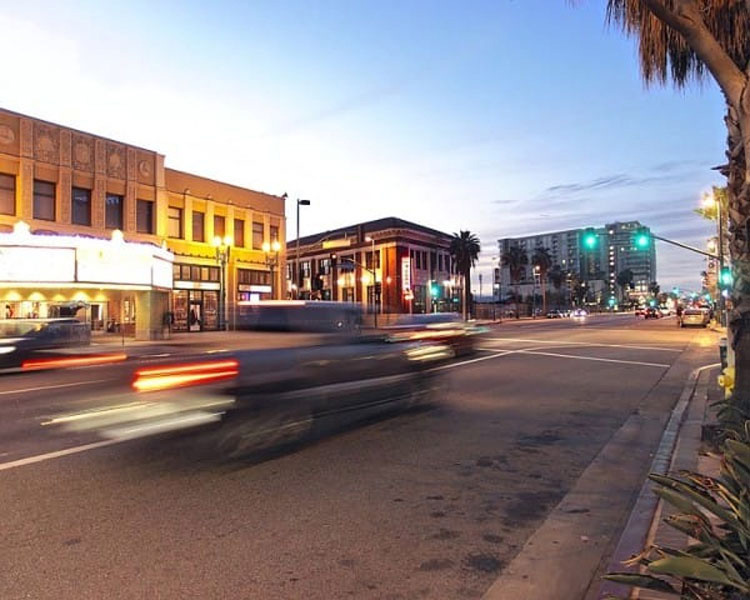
[{"x": 7, "y": 349}]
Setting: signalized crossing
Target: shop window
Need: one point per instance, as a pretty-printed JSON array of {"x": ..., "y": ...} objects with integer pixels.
[
  {"x": 199, "y": 226},
  {"x": 174, "y": 222},
  {"x": 219, "y": 226},
  {"x": 44, "y": 200},
  {"x": 81, "y": 206},
  {"x": 213, "y": 274},
  {"x": 252, "y": 277},
  {"x": 204, "y": 273},
  {"x": 274, "y": 233},
  {"x": 7, "y": 194},
  {"x": 176, "y": 272},
  {"x": 257, "y": 235},
  {"x": 195, "y": 273},
  {"x": 113, "y": 211},
  {"x": 144, "y": 216},
  {"x": 185, "y": 273},
  {"x": 239, "y": 233}
]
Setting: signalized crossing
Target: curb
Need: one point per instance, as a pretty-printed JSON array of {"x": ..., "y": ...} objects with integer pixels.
[{"x": 644, "y": 517}]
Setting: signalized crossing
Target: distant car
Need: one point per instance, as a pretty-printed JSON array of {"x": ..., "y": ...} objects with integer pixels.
[
  {"x": 652, "y": 313},
  {"x": 665, "y": 312},
  {"x": 640, "y": 311},
  {"x": 443, "y": 328},
  {"x": 694, "y": 317},
  {"x": 579, "y": 313},
  {"x": 555, "y": 314}
]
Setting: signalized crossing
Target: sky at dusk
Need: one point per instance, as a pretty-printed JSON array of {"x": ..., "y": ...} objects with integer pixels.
[{"x": 504, "y": 117}]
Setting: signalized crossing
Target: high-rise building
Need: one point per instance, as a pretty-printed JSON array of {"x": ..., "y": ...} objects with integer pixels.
[{"x": 594, "y": 255}]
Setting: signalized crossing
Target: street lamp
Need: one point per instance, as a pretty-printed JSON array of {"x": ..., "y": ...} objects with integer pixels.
[
  {"x": 223, "y": 248},
  {"x": 711, "y": 202},
  {"x": 272, "y": 258},
  {"x": 297, "y": 279}
]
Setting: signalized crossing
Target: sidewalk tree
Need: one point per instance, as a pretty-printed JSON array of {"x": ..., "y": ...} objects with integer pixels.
[
  {"x": 654, "y": 288},
  {"x": 464, "y": 249},
  {"x": 690, "y": 40},
  {"x": 556, "y": 277},
  {"x": 516, "y": 260},
  {"x": 542, "y": 261}
]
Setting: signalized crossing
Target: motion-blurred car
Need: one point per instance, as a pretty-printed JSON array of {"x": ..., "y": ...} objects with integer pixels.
[
  {"x": 21, "y": 339},
  {"x": 652, "y": 313},
  {"x": 555, "y": 314},
  {"x": 665, "y": 312},
  {"x": 444, "y": 328},
  {"x": 255, "y": 400},
  {"x": 640, "y": 311},
  {"x": 579, "y": 313},
  {"x": 695, "y": 317}
]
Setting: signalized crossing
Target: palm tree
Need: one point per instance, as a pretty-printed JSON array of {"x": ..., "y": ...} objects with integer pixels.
[
  {"x": 624, "y": 279},
  {"x": 654, "y": 288},
  {"x": 515, "y": 259},
  {"x": 464, "y": 249},
  {"x": 690, "y": 40},
  {"x": 542, "y": 261},
  {"x": 556, "y": 277}
]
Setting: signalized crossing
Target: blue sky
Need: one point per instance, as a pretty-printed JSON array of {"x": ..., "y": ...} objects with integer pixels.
[{"x": 503, "y": 117}]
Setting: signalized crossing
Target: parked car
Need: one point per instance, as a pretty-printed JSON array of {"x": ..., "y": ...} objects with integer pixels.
[
  {"x": 640, "y": 311},
  {"x": 652, "y": 313},
  {"x": 665, "y": 312},
  {"x": 694, "y": 317},
  {"x": 555, "y": 314}
]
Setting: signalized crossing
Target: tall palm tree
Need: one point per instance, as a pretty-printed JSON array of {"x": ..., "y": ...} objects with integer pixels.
[
  {"x": 515, "y": 259},
  {"x": 687, "y": 40},
  {"x": 464, "y": 249},
  {"x": 654, "y": 288},
  {"x": 542, "y": 261},
  {"x": 624, "y": 279},
  {"x": 556, "y": 276}
]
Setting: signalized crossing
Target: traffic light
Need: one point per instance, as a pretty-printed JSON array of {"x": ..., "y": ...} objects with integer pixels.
[
  {"x": 642, "y": 239},
  {"x": 434, "y": 289},
  {"x": 612, "y": 301},
  {"x": 725, "y": 278},
  {"x": 590, "y": 239}
]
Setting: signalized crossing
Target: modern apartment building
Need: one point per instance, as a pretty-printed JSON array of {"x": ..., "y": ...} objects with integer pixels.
[
  {"x": 598, "y": 262},
  {"x": 91, "y": 220}
]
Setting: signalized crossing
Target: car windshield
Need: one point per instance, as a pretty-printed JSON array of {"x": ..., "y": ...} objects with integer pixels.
[{"x": 18, "y": 328}]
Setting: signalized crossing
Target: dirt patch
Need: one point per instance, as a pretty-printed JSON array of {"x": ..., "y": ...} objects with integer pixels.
[
  {"x": 436, "y": 564},
  {"x": 445, "y": 534},
  {"x": 483, "y": 562},
  {"x": 529, "y": 506}
]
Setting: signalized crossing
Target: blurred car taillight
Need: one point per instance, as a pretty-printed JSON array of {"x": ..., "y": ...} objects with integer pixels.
[
  {"x": 72, "y": 361},
  {"x": 175, "y": 376}
]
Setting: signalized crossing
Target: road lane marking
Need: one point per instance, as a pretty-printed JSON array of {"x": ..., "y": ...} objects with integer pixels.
[
  {"x": 594, "y": 358},
  {"x": 51, "y": 387},
  {"x": 473, "y": 360},
  {"x": 560, "y": 342},
  {"x": 30, "y": 460}
]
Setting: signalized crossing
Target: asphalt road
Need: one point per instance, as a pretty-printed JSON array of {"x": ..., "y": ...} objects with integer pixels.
[{"x": 429, "y": 504}]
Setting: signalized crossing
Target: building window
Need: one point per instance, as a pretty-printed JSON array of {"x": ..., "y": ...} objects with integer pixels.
[
  {"x": 44, "y": 200},
  {"x": 257, "y": 235},
  {"x": 199, "y": 226},
  {"x": 440, "y": 262},
  {"x": 81, "y": 209},
  {"x": 7, "y": 194},
  {"x": 144, "y": 216},
  {"x": 239, "y": 233},
  {"x": 274, "y": 233},
  {"x": 174, "y": 222},
  {"x": 113, "y": 211},
  {"x": 219, "y": 226},
  {"x": 369, "y": 263},
  {"x": 306, "y": 269},
  {"x": 252, "y": 277}
]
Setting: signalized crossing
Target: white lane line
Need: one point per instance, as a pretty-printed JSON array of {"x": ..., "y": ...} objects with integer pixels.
[
  {"x": 609, "y": 360},
  {"x": 51, "y": 387},
  {"x": 30, "y": 460},
  {"x": 473, "y": 360},
  {"x": 563, "y": 343}
]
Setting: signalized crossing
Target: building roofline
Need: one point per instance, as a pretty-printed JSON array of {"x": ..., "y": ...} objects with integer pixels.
[
  {"x": 231, "y": 185},
  {"x": 559, "y": 231},
  {"x": 367, "y": 227},
  {"x": 87, "y": 133}
]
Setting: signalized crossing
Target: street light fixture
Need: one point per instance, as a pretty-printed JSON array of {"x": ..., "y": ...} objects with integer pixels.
[
  {"x": 711, "y": 202},
  {"x": 271, "y": 252},
  {"x": 297, "y": 279},
  {"x": 374, "y": 279},
  {"x": 223, "y": 248}
]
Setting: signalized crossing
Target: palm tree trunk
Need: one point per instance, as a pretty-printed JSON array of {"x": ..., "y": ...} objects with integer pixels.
[
  {"x": 544, "y": 296},
  {"x": 518, "y": 295},
  {"x": 738, "y": 192},
  {"x": 467, "y": 294}
]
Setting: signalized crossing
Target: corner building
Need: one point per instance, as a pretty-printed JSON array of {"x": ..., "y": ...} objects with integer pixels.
[{"x": 104, "y": 203}]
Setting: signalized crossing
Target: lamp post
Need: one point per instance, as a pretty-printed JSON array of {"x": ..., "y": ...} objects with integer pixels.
[
  {"x": 223, "y": 248},
  {"x": 711, "y": 202},
  {"x": 297, "y": 279},
  {"x": 272, "y": 258}
]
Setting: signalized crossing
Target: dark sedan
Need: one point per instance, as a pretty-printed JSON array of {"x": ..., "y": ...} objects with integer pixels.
[{"x": 21, "y": 339}]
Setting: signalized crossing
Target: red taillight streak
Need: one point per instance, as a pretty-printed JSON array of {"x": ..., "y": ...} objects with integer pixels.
[
  {"x": 78, "y": 361},
  {"x": 153, "y": 379}
]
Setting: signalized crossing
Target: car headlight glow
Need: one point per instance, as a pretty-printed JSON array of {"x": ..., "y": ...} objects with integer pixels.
[{"x": 7, "y": 349}]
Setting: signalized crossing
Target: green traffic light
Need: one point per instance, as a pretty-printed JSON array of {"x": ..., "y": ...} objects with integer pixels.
[
  {"x": 725, "y": 278},
  {"x": 642, "y": 240},
  {"x": 589, "y": 240}
]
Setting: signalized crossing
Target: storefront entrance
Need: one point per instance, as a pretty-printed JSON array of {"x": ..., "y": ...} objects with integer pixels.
[{"x": 195, "y": 310}]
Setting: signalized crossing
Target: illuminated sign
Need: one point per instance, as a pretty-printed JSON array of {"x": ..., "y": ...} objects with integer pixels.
[
  {"x": 263, "y": 289},
  {"x": 195, "y": 285},
  {"x": 18, "y": 263},
  {"x": 117, "y": 264},
  {"x": 406, "y": 273},
  {"x": 161, "y": 273},
  {"x": 343, "y": 243}
]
